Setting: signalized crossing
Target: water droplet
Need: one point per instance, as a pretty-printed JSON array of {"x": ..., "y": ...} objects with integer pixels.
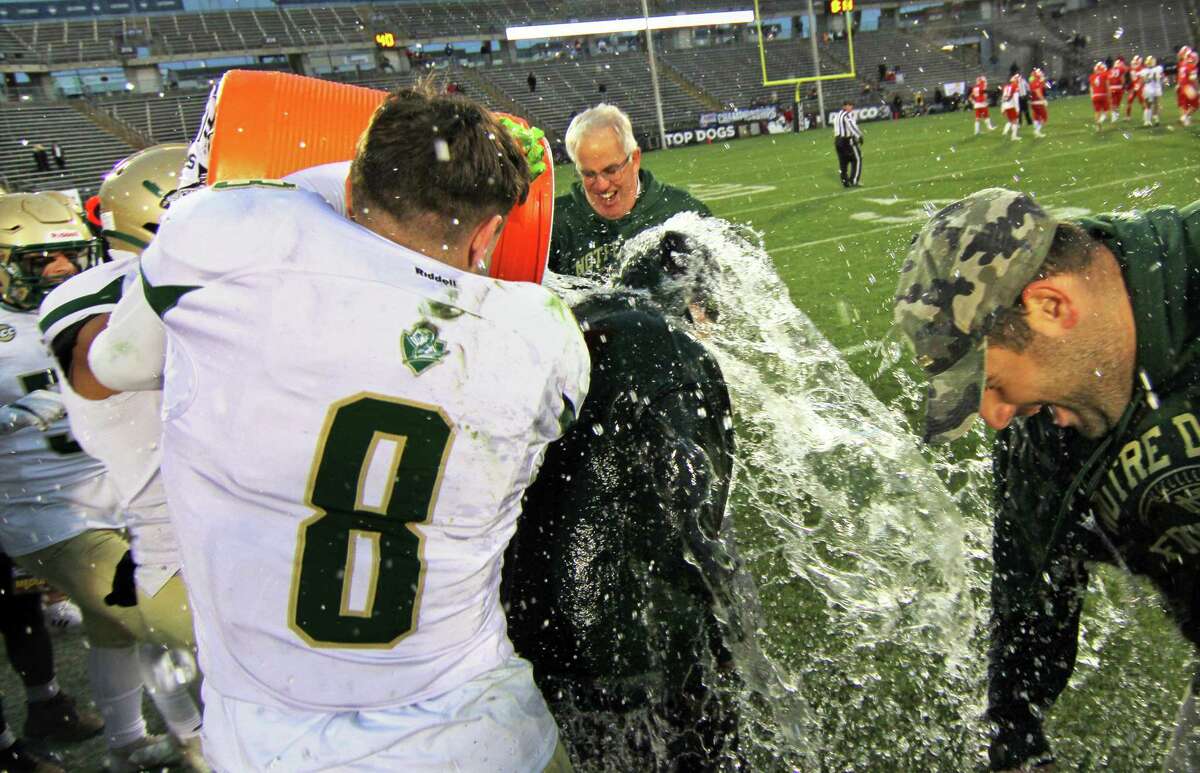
[{"x": 597, "y": 429}]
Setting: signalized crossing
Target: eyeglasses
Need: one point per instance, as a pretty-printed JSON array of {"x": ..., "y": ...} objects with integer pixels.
[{"x": 608, "y": 174}]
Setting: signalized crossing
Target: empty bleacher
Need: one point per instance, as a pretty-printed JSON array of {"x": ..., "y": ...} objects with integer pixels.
[
  {"x": 1135, "y": 28},
  {"x": 89, "y": 150},
  {"x": 567, "y": 87},
  {"x": 169, "y": 118}
]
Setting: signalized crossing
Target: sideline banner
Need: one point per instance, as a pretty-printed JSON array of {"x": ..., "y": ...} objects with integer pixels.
[
  {"x": 739, "y": 116},
  {"x": 869, "y": 113},
  {"x": 706, "y": 134},
  {"x": 701, "y": 135}
]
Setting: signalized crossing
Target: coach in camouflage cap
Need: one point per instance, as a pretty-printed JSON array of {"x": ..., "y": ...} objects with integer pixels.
[
  {"x": 972, "y": 258},
  {"x": 1090, "y": 331}
]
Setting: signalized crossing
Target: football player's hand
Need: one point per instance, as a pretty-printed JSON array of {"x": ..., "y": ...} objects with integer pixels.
[{"x": 38, "y": 409}]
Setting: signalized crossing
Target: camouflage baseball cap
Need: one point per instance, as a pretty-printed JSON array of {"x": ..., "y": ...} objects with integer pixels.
[{"x": 971, "y": 258}]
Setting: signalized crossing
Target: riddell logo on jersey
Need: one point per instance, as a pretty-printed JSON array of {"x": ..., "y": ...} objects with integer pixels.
[{"x": 435, "y": 278}]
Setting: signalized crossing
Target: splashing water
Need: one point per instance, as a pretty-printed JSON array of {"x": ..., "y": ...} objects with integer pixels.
[{"x": 861, "y": 553}]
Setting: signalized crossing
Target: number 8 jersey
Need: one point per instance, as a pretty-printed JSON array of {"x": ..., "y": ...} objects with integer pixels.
[{"x": 349, "y": 427}]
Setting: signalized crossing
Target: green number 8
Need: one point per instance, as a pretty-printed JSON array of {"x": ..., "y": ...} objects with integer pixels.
[{"x": 357, "y": 430}]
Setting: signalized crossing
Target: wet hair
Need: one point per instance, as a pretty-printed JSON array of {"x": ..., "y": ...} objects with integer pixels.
[
  {"x": 1072, "y": 252},
  {"x": 444, "y": 155},
  {"x": 602, "y": 116}
]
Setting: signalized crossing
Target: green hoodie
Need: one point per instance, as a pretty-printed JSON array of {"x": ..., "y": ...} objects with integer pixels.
[
  {"x": 585, "y": 244},
  {"x": 1130, "y": 498}
]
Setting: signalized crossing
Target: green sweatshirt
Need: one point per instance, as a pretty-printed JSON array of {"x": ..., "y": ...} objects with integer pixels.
[
  {"x": 1129, "y": 498},
  {"x": 585, "y": 244}
]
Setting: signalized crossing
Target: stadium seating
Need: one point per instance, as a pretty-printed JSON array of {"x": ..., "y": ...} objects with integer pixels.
[
  {"x": 173, "y": 118},
  {"x": 90, "y": 151},
  {"x": 569, "y": 86}
]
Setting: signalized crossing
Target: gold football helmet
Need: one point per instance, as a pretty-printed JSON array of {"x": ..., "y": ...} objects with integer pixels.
[
  {"x": 133, "y": 193},
  {"x": 43, "y": 241}
]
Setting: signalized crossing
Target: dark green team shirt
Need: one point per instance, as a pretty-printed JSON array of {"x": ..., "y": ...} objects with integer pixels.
[
  {"x": 585, "y": 244},
  {"x": 1131, "y": 498}
]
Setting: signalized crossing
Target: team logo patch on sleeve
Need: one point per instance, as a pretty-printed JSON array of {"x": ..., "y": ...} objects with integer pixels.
[
  {"x": 7, "y": 333},
  {"x": 422, "y": 348}
]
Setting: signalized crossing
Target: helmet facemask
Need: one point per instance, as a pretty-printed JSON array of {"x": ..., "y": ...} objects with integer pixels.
[{"x": 27, "y": 276}]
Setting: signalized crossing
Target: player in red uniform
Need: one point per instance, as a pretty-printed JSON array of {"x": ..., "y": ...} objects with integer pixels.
[
  {"x": 1010, "y": 105},
  {"x": 1116, "y": 86},
  {"x": 1099, "y": 87},
  {"x": 1187, "y": 89},
  {"x": 979, "y": 101},
  {"x": 1037, "y": 100},
  {"x": 1136, "y": 84}
]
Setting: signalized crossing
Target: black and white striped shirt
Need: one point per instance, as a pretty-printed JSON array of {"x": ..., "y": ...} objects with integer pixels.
[{"x": 845, "y": 124}]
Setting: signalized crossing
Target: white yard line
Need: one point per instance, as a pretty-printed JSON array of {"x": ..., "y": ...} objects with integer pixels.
[{"x": 857, "y": 234}]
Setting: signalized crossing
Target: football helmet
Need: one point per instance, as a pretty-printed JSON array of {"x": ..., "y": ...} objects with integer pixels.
[
  {"x": 133, "y": 195},
  {"x": 1193, "y": 57},
  {"x": 1136, "y": 61},
  {"x": 1037, "y": 74},
  {"x": 43, "y": 241},
  {"x": 1100, "y": 67},
  {"x": 1151, "y": 61}
]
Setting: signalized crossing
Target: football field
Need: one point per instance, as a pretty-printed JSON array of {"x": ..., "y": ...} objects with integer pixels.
[{"x": 838, "y": 252}]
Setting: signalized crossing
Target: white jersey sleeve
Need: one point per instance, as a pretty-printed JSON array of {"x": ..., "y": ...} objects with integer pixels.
[
  {"x": 349, "y": 429},
  {"x": 123, "y": 431},
  {"x": 129, "y": 354}
]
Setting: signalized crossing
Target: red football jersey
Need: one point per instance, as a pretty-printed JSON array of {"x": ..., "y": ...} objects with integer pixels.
[
  {"x": 1037, "y": 90},
  {"x": 1116, "y": 76},
  {"x": 1099, "y": 83},
  {"x": 1135, "y": 78},
  {"x": 979, "y": 95}
]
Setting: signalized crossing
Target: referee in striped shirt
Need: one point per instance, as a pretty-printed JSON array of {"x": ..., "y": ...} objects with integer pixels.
[{"x": 847, "y": 140}]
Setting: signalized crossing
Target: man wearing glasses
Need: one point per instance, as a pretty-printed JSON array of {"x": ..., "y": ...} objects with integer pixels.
[{"x": 614, "y": 198}]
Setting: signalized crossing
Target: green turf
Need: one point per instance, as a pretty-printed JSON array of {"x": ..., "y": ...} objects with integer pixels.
[{"x": 838, "y": 251}]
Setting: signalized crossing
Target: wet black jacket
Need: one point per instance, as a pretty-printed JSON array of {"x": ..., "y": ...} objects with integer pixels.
[
  {"x": 623, "y": 542},
  {"x": 1131, "y": 498}
]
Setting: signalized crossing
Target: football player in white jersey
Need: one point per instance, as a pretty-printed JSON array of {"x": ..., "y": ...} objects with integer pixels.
[
  {"x": 351, "y": 416},
  {"x": 1152, "y": 90},
  {"x": 60, "y": 516},
  {"x": 124, "y": 430}
]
